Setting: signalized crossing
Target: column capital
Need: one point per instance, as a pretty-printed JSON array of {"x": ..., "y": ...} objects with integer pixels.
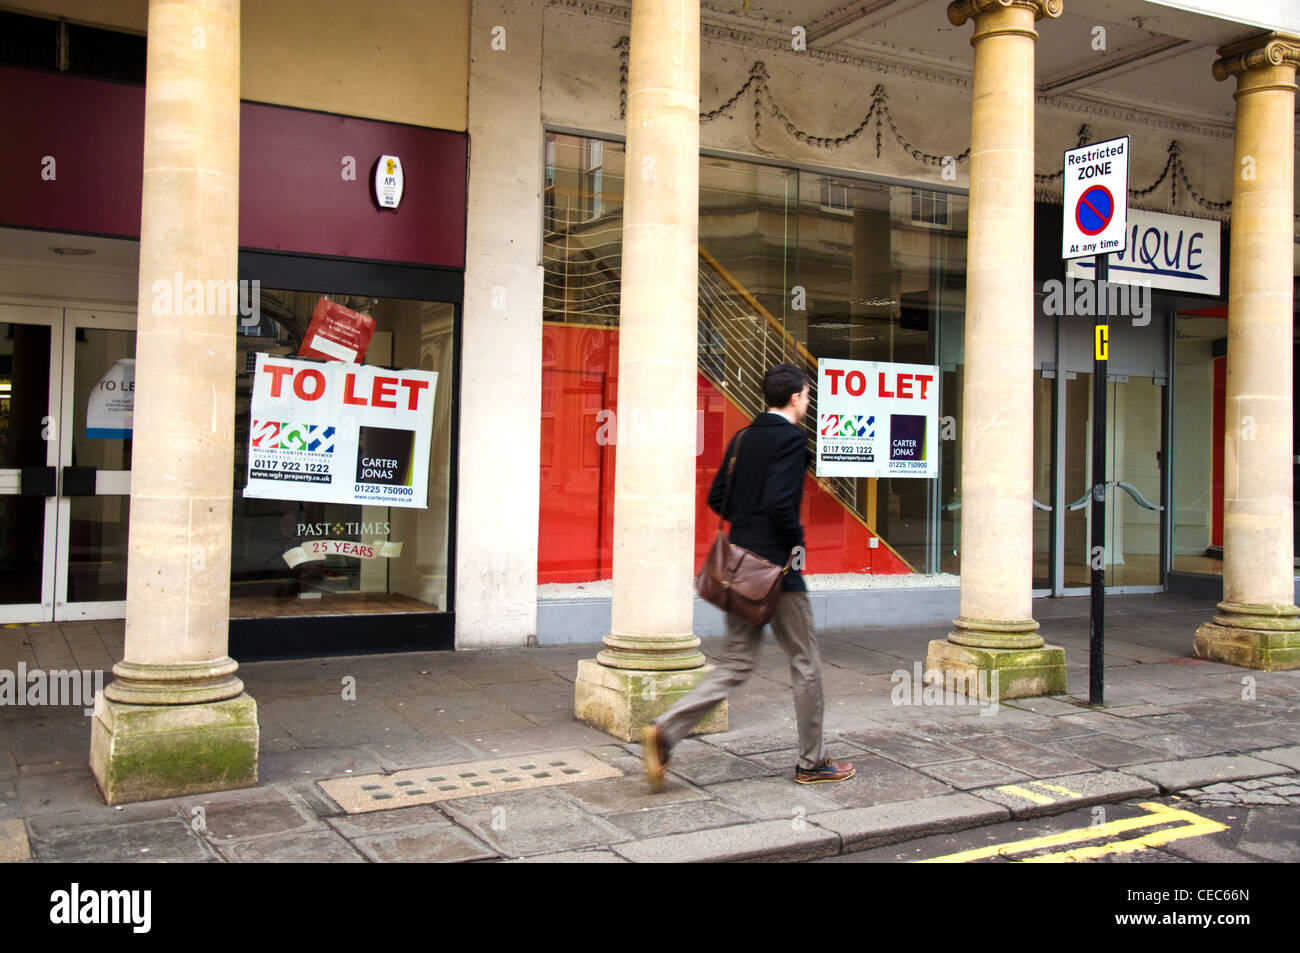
[
  {"x": 959, "y": 11},
  {"x": 1262, "y": 51}
]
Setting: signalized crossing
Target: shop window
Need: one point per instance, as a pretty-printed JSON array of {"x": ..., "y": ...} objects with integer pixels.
[
  {"x": 43, "y": 43},
  {"x": 268, "y": 579},
  {"x": 877, "y": 283}
]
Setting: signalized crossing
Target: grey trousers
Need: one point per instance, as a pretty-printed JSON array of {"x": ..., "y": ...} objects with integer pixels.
[{"x": 793, "y": 627}]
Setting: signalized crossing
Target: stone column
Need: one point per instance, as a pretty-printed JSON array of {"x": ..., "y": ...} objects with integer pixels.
[
  {"x": 995, "y": 637},
  {"x": 651, "y": 654},
  {"x": 176, "y": 719},
  {"x": 1258, "y": 624}
]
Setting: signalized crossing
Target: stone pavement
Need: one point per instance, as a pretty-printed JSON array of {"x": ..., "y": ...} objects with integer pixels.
[{"x": 1171, "y": 723}]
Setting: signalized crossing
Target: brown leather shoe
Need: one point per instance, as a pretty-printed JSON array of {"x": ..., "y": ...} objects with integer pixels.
[
  {"x": 654, "y": 750},
  {"x": 828, "y": 770}
]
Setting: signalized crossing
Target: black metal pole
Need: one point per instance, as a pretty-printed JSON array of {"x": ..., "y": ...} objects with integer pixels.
[{"x": 1097, "y": 547}]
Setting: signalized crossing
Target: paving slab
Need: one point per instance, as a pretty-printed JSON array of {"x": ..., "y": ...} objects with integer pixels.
[
  {"x": 905, "y": 748},
  {"x": 701, "y": 763},
  {"x": 312, "y": 847},
  {"x": 1045, "y": 796},
  {"x": 441, "y": 844},
  {"x": 57, "y": 792},
  {"x": 398, "y": 753},
  {"x": 1288, "y": 755},
  {"x": 1180, "y": 745},
  {"x": 168, "y": 840},
  {"x": 252, "y": 813},
  {"x": 1035, "y": 761},
  {"x": 631, "y": 792},
  {"x": 354, "y": 826},
  {"x": 1200, "y": 772},
  {"x": 14, "y": 847},
  {"x": 676, "y": 818},
  {"x": 973, "y": 773},
  {"x": 1109, "y": 724},
  {"x": 315, "y": 763},
  {"x": 1043, "y": 706},
  {"x": 572, "y": 857},
  {"x": 787, "y": 840},
  {"x": 1106, "y": 751},
  {"x": 774, "y": 798},
  {"x": 862, "y": 827},
  {"x": 540, "y": 821}
]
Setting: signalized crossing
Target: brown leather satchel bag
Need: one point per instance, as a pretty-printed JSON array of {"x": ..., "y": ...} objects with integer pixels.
[{"x": 735, "y": 579}]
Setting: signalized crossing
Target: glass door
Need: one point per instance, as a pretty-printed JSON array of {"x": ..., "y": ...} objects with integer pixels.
[
  {"x": 98, "y": 402},
  {"x": 1133, "y": 478},
  {"x": 67, "y": 388},
  {"x": 29, "y": 429}
]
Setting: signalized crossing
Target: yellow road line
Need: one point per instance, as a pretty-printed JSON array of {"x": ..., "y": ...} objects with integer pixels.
[
  {"x": 1057, "y": 788},
  {"x": 1033, "y": 796},
  {"x": 1158, "y": 814}
]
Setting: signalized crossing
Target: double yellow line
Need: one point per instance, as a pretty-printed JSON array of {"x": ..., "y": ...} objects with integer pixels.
[{"x": 1192, "y": 825}]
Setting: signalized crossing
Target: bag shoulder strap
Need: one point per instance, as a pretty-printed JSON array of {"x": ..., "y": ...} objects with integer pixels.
[{"x": 731, "y": 470}]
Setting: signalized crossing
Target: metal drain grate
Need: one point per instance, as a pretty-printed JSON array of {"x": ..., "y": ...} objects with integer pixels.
[{"x": 383, "y": 792}]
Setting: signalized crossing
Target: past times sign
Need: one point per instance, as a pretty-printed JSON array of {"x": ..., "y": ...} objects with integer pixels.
[
  {"x": 339, "y": 433},
  {"x": 876, "y": 419}
]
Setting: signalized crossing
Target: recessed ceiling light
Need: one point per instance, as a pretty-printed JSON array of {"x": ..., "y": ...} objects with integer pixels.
[{"x": 75, "y": 252}]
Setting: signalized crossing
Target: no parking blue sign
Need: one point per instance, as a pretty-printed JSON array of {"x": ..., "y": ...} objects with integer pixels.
[{"x": 1096, "y": 199}]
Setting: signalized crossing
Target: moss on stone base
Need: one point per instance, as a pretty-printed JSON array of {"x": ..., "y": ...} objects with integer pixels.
[
  {"x": 623, "y": 701},
  {"x": 1009, "y": 673},
  {"x": 143, "y": 752},
  {"x": 1263, "y": 649}
]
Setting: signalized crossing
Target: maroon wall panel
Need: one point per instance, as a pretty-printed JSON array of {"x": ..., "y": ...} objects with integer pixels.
[
  {"x": 293, "y": 196},
  {"x": 95, "y": 132}
]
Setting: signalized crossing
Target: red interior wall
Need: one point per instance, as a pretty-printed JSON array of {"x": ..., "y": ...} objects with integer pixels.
[{"x": 579, "y": 381}]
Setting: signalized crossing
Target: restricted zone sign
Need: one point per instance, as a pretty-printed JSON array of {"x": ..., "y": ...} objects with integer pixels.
[{"x": 1096, "y": 199}]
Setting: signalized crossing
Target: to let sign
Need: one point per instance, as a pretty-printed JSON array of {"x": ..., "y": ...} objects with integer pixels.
[{"x": 1096, "y": 199}]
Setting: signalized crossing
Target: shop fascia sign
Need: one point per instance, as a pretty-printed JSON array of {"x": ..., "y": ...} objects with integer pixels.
[
  {"x": 877, "y": 419},
  {"x": 389, "y": 181},
  {"x": 1173, "y": 252}
]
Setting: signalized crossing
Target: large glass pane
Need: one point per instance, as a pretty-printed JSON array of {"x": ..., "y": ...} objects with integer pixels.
[
  {"x": 793, "y": 267},
  {"x": 24, "y": 410},
  {"x": 409, "y": 334},
  {"x": 103, "y": 362},
  {"x": 1078, "y": 478},
  {"x": 883, "y": 269},
  {"x": 1133, "y": 522},
  {"x": 1043, "y": 431},
  {"x": 1200, "y": 369}
]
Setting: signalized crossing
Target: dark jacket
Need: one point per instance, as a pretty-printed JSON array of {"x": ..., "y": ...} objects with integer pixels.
[{"x": 766, "y": 491}]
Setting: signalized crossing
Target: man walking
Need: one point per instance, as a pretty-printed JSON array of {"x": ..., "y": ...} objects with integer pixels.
[{"x": 763, "y": 507}]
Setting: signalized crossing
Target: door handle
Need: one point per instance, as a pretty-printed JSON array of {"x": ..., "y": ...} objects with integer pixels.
[
  {"x": 78, "y": 481},
  {"x": 38, "y": 481}
]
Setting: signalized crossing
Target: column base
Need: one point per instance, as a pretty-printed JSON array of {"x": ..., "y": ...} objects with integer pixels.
[
  {"x": 144, "y": 752},
  {"x": 1270, "y": 650},
  {"x": 622, "y": 701},
  {"x": 1007, "y": 673}
]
